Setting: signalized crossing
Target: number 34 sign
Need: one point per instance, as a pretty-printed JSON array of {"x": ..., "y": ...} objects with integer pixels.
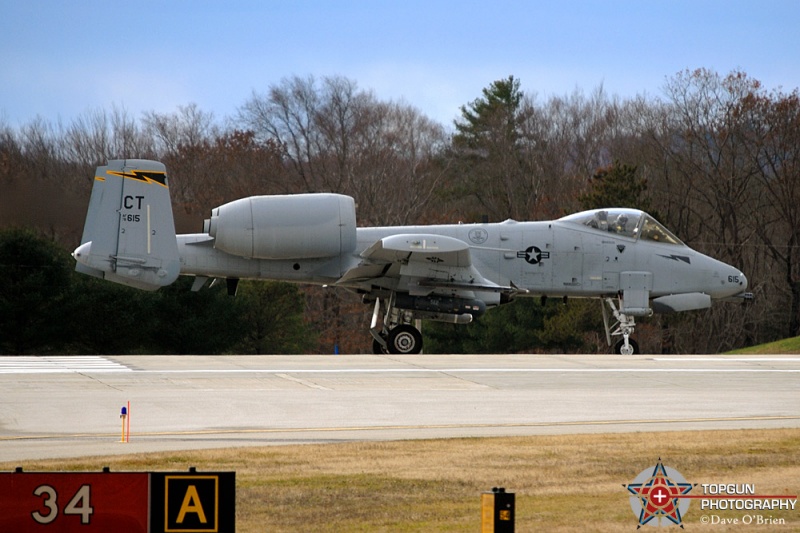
[{"x": 120, "y": 501}]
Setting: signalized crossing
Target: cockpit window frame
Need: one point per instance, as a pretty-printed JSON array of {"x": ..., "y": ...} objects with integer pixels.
[
  {"x": 654, "y": 231},
  {"x": 624, "y": 222}
]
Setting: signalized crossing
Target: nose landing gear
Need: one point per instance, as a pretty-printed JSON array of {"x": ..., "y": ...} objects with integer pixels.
[{"x": 624, "y": 326}]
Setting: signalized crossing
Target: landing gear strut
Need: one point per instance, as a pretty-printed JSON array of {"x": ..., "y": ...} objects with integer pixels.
[
  {"x": 397, "y": 336},
  {"x": 623, "y": 327}
]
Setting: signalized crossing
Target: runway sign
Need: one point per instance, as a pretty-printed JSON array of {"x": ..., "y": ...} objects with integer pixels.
[
  {"x": 146, "y": 502},
  {"x": 196, "y": 502}
]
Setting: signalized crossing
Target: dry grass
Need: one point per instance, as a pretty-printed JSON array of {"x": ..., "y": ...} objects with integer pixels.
[{"x": 562, "y": 483}]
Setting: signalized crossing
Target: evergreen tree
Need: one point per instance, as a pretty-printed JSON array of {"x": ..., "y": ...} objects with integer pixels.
[
  {"x": 34, "y": 281},
  {"x": 107, "y": 318},
  {"x": 185, "y": 322},
  {"x": 491, "y": 122},
  {"x": 616, "y": 186},
  {"x": 272, "y": 316},
  {"x": 489, "y": 153}
]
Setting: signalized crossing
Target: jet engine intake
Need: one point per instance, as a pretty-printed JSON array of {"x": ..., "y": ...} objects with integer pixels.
[{"x": 297, "y": 226}]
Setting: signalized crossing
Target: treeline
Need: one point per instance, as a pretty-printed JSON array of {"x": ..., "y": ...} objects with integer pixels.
[{"x": 715, "y": 158}]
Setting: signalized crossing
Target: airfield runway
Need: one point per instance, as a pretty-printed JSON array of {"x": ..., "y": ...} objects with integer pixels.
[{"x": 53, "y": 407}]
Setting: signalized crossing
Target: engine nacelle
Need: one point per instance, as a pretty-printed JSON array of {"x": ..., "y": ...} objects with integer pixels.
[{"x": 297, "y": 226}]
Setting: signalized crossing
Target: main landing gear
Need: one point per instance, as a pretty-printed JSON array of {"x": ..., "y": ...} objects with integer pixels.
[
  {"x": 398, "y": 335},
  {"x": 623, "y": 327}
]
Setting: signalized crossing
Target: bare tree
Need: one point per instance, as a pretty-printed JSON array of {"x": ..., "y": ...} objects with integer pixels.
[
  {"x": 188, "y": 127},
  {"x": 706, "y": 146},
  {"x": 11, "y": 158},
  {"x": 396, "y": 165},
  {"x": 774, "y": 148},
  {"x": 696, "y": 151},
  {"x": 337, "y": 138},
  {"x": 181, "y": 139},
  {"x": 288, "y": 115},
  {"x": 567, "y": 140}
]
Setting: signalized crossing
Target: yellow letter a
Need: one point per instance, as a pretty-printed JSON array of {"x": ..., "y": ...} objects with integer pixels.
[{"x": 191, "y": 504}]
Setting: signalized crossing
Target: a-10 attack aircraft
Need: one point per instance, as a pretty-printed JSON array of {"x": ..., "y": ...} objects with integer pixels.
[{"x": 451, "y": 273}]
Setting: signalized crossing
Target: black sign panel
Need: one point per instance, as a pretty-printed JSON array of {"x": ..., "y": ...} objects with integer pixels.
[{"x": 193, "y": 502}]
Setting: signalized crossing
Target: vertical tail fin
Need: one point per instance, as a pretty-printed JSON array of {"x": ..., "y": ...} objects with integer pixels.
[{"x": 129, "y": 234}]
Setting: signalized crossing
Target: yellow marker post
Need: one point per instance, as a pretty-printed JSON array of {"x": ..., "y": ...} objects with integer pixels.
[
  {"x": 497, "y": 511},
  {"x": 124, "y": 416}
]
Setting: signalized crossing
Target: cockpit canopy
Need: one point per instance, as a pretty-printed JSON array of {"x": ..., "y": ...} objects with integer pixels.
[{"x": 626, "y": 222}]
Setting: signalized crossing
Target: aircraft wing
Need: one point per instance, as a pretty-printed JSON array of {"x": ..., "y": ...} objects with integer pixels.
[{"x": 421, "y": 263}]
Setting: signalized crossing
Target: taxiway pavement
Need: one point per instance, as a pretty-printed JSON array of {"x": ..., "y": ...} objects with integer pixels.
[{"x": 54, "y": 407}]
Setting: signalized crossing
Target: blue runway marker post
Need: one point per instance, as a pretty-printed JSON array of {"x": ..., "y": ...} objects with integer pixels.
[{"x": 126, "y": 423}]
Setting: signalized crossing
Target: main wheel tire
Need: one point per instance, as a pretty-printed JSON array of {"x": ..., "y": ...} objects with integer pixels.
[
  {"x": 404, "y": 339},
  {"x": 634, "y": 346}
]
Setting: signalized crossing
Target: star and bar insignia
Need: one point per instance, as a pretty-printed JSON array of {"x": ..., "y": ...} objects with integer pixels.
[{"x": 533, "y": 255}]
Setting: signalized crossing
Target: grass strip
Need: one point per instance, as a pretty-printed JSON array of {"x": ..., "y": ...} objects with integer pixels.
[{"x": 562, "y": 482}]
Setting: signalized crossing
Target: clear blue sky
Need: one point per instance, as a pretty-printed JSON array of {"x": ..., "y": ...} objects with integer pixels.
[{"x": 62, "y": 58}]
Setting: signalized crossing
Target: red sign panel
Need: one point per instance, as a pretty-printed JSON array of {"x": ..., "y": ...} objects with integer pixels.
[{"x": 74, "y": 502}]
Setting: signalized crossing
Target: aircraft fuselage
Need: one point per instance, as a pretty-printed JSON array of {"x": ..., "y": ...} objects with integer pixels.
[
  {"x": 552, "y": 258},
  {"x": 451, "y": 273}
]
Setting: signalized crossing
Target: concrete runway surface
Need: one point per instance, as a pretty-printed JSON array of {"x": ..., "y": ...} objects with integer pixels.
[{"x": 53, "y": 407}]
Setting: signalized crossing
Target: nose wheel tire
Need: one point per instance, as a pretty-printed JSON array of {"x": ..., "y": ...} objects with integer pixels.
[
  {"x": 632, "y": 349},
  {"x": 404, "y": 339}
]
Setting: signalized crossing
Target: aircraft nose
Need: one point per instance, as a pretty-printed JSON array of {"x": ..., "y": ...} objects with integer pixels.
[
  {"x": 737, "y": 279},
  {"x": 737, "y": 282},
  {"x": 733, "y": 281}
]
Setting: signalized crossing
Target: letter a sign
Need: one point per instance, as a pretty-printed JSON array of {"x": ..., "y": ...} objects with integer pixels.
[{"x": 195, "y": 503}]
